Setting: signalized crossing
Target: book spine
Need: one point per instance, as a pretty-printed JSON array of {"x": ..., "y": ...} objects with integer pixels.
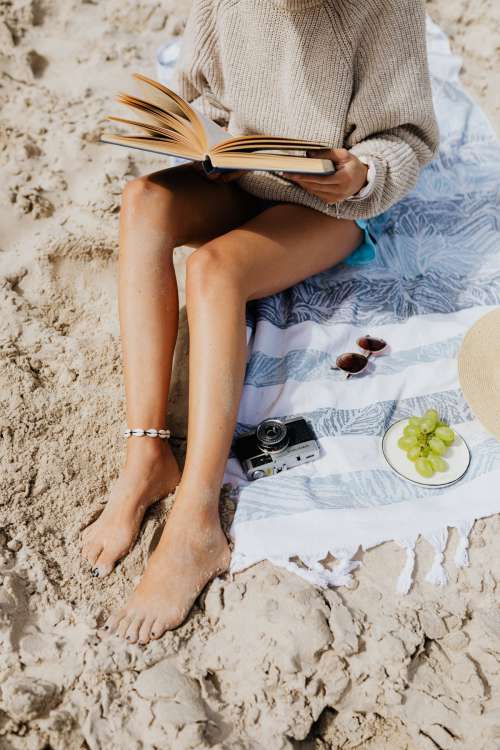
[
  {"x": 210, "y": 169},
  {"x": 207, "y": 166}
]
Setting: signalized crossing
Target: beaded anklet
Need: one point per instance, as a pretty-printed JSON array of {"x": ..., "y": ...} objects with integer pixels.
[{"x": 163, "y": 434}]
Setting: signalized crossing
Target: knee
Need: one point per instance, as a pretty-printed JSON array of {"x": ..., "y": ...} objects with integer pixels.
[
  {"x": 140, "y": 191},
  {"x": 211, "y": 269},
  {"x": 143, "y": 196}
]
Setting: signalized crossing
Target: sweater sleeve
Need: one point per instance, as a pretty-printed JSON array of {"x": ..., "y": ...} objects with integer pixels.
[
  {"x": 196, "y": 76},
  {"x": 391, "y": 118}
]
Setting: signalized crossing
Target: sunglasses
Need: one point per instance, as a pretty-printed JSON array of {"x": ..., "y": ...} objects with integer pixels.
[{"x": 353, "y": 363}]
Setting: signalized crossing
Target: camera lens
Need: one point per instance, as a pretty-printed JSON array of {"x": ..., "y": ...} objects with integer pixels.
[
  {"x": 272, "y": 435},
  {"x": 258, "y": 474}
]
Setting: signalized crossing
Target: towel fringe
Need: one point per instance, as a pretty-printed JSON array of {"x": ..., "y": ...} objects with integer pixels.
[
  {"x": 319, "y": 577},
  {"x": 461, "y": 558},
  {"x": 317, "y": 573},
  {"x": 437, "y": 574},
  {"x": 341, "y": 574},
  {"x": 405, "y": 578},
  {"x": 344, "y": 569}
]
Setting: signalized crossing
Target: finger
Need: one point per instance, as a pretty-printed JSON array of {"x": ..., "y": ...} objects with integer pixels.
[
  {"x": 328, "y": 197},
  {"x": 340, "y": 188},
  {"x": 317, "y": 151},
  {"x": 334, "y": 180},
  {"x": 335, "y": 154}
]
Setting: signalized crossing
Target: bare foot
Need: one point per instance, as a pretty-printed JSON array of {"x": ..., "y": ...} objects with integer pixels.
[
  {"x": 150, "y": 473},
  {"x": 192, "y": 550}
]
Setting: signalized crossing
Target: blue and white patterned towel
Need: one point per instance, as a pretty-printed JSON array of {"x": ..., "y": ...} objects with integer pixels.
[{"x": 437, "y": 271}]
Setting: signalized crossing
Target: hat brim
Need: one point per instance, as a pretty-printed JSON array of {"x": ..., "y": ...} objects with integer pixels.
[{"x": 479, "y": 370}]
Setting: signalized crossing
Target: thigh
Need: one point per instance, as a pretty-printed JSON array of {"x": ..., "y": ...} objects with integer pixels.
[
  {"x": 285, "y": 244},
  {"x": 205, "y": 208}
]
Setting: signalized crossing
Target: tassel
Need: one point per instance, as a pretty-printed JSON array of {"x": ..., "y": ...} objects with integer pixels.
[
  {"x": 340, "y": 575},
  {"x": 316, "y": 577},
  {"x": 405, "y": 579},
  {"x": 319, "y": 575},
  {"x": 461, "y": 558},
  {"x": 343, "y": 570},
  {"x": 437, "y": 574}
]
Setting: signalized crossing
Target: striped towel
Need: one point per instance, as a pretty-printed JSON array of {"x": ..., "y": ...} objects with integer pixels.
[{"x": 437, "y": 271}]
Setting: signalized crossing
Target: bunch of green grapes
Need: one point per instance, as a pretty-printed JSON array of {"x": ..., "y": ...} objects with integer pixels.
[{"x": 426, "y": 440}]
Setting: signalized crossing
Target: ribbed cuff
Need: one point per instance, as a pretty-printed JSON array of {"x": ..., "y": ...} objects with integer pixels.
[{"x": 371, "y": 176}]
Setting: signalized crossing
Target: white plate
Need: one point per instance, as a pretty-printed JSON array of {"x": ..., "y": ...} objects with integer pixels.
[{"x": 457, "y": 457}]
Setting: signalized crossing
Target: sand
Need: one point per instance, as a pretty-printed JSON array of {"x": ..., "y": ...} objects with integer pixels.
[{"x": 265, "y": 660}]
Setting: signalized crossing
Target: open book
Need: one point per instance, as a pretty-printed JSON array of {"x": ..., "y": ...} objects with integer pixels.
[{"x": 172, "y": 127}]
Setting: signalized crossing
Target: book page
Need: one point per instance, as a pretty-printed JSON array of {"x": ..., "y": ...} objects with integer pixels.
[
  {"x": 270, "y": 143},
  {"x": 177, "y": 107},
  {"x": 214, "y": 133},
  {"x": 151, "y": 144}
]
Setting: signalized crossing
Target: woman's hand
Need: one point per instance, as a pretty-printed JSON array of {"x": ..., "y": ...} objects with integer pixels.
[{"x": 348, "y": 179}]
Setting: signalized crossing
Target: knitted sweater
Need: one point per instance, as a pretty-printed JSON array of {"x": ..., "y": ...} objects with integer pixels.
[{"x": 350, "y": 73}]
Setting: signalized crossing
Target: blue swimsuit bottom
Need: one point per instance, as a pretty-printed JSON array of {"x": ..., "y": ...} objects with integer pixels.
[{"x": 366, "y": 251}]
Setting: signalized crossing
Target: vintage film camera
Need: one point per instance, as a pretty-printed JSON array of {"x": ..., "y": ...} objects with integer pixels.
[{"x": 276, "y": 445}]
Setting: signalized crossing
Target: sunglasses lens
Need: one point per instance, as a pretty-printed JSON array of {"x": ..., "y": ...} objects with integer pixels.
[
  {"x": 352, "y": 363},
  {"x": 370, "y": 344}
]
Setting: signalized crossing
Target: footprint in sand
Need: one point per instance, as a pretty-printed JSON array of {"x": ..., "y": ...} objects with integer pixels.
[{"x": 37, "y": 63}]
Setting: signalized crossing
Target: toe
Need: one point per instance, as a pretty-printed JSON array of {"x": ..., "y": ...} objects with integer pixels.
[
  {"x": 91, "y": 552},
  {"x": 132, "y": 633},
  {"x": 125, "y": 623},
  {"x": 113, "y": 621},
  {"x": 145, "y": 631},
  {"x": 158, "y": 628},
  {"x": 104, "y": 564}
]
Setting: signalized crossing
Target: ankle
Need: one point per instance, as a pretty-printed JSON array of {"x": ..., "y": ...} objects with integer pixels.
[
  {"x": 202, "y": 503},
  {"x": 203, "y": 493},
  {"x": 146, "y": 449}
]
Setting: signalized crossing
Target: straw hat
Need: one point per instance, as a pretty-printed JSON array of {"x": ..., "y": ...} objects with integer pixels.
[{"x": 479, "y": 370}]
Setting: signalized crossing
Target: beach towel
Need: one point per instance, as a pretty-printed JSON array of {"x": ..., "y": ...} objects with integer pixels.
[{"x": 436, "y": 271}]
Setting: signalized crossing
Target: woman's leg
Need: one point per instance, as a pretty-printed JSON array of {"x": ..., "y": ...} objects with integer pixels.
[
  {"x": 281, "y": 246},
  {"x": 159, "y": 212}
]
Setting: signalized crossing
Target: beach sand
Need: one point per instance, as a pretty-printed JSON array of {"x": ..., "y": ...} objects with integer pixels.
[{"x": 265, "y": 660}]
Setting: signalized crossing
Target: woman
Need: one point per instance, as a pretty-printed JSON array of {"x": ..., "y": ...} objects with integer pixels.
[{"x": 351, "y": 74}]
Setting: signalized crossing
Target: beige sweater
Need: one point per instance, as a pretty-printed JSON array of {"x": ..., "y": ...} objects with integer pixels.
[{"x": 351, "y": 73}]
